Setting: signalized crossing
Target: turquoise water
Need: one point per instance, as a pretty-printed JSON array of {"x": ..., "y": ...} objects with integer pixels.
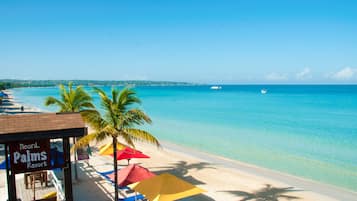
[{"x": 307, "y": 131}]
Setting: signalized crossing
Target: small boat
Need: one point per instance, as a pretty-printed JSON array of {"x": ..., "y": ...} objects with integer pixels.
[
  {"x": 216, "y": 87},
  {"x": 263, "y": 91}
]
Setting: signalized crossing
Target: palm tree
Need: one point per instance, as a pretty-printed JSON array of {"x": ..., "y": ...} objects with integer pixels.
[
  {"x": 118, "y": 120},
  {"x": 73, "y": 100}
]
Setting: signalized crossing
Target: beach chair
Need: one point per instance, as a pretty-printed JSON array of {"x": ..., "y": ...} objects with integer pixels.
[
  {"x": 105, "y": 174},
  {"x": 136, "y": 197}
]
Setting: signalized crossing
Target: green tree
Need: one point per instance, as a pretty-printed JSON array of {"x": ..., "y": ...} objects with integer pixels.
[
  {"x": 72, "y": 100},
  {"x": 119, "y": 119}
]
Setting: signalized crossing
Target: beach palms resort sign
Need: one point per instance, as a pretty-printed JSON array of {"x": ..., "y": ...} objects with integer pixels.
[{"x": 31, "y": 155}]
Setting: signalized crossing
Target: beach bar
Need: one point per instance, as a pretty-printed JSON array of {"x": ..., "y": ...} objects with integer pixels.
[{"x": 26, "y": 138}]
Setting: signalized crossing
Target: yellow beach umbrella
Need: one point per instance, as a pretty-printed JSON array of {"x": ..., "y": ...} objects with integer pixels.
[
  {"x": 107, "y": 149},
  {"x": 165, "y": 187}
]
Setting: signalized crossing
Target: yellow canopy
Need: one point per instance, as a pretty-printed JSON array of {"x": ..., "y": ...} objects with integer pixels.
[
  {"x": 107, "y": 149},
  {"x": 165, "y": 187}
]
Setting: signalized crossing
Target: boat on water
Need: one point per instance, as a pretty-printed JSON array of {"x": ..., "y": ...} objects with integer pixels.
[
  {"x": 263, "y": 91},
  {"x": 216, "y": 87}
]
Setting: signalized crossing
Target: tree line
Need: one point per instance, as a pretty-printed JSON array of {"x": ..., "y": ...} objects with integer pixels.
[{"x": 10, "y": 83}]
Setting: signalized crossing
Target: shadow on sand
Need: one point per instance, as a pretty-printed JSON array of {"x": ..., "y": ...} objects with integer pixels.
[
  {"x": 181, "y": 170},
  {"x": 94, "y": 183},
  {"x": 268, "y": 193},
  {"x": 91, "y": 187}
]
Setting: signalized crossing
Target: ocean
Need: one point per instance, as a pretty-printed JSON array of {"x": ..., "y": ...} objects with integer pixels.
[{"x": 305, "y": 130}]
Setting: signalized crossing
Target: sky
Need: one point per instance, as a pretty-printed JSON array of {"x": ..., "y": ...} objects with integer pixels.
[{"x": 202, "y": 41}]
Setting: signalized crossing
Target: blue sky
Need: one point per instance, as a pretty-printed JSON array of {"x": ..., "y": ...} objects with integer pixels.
[{"x": 287, "y": 41}]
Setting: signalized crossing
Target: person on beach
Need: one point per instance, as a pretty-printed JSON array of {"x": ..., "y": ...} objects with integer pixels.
[{"x": 22, "y": 108}]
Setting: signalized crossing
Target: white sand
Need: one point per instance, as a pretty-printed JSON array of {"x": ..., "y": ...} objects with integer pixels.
[
  {"x": 225, "y": 179},
  {"x": 10, "y": 106}
]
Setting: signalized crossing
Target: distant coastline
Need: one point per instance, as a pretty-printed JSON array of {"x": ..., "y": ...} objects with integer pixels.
[{"x": 15, "y": 83}]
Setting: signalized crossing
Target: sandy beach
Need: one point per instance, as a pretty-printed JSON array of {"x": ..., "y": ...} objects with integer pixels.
[
  {"x": 224, "y": 179},
  {"x": 221, "y": 178},
  {"x": 9, "y": 106}
]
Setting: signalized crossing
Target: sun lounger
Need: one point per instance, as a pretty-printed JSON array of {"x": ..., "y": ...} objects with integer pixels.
[
  {"x": 137, "y": 197},
  {"x": 105, "y": 175}
]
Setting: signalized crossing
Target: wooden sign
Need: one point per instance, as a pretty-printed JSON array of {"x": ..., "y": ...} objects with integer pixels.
[{"x": 31, "y": 155}]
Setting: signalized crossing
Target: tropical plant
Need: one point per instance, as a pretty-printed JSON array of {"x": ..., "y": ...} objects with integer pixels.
[
  {"x": 119, "y": 119},
  {"x": 72, "y": 100}
]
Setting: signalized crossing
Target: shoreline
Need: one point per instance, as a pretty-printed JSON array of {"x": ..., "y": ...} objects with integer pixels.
[
  {"x": 14, "y": 107},
  {"x": 302, "y": 183},
  {"x": 307, "y": 189}
]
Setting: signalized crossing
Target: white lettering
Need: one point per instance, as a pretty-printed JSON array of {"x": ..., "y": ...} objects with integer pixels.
[
  {"x": 16, "y": 156},
  {"x": 35, "y": 156},
  {"x": 29, "y": 146},
  {"x": 23, "y": 158},
  {"x": 43, "y": 156},
  {"x": 36, "y": 165},
  {"x": 28, "y": 155}
]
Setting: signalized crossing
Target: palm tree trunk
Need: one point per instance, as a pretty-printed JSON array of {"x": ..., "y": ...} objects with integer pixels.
[{"x": 115, "y": 168}]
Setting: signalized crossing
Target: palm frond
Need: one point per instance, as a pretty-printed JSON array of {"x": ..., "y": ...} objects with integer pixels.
[
  {"x": 141, "y": 135},
  {"x": 127, "y": 97},
  {"x": 72, "y": 100},
  {"x": 119, "y": 118},
  {"x": 93, "y": 118},
  {"x": 136, "y": 116},
  {"x": 127, "y": 138},
  {"x": 53, "y": 101},
  {"x": 84, "y": 141}
]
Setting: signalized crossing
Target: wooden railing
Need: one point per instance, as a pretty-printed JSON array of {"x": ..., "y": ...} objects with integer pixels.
[{"x": 58, "y": 185}]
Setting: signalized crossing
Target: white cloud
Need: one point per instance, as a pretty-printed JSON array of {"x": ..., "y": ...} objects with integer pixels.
[
  {"x": 304, "y": 74},
  {"x": 346, "y": 73},
  {"x": 276, "y": 77}
]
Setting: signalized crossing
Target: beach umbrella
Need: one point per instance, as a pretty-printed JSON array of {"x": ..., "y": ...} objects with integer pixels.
[
  {"x": 107, "y": 149},
  {"x": 165, "y": 187},
  {"x": 2, "y": 95},
  {"x": 129, "y": 153},
  {"x": 131, "y": 174}
]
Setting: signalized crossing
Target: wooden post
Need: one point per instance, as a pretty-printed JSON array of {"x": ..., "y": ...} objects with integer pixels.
[
  {"x": 67, "y": 170},
  {"x": 75, "y": 161},
  {"x": 7, "y": 172},
  {"x": 11, "y": 185},
  {"x": 34, "y": 187}
]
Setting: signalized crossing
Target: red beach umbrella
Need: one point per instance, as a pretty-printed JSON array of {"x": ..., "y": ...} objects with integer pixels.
[
  {"x": 131, "y": 174},
  {"x": 129, "y": 153}
]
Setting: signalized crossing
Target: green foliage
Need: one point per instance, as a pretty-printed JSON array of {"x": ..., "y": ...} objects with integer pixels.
[
  {"x": 9, "y": 83},
  {"x": 72, "y": 100},
  {"x": 119, "y": 119}
]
